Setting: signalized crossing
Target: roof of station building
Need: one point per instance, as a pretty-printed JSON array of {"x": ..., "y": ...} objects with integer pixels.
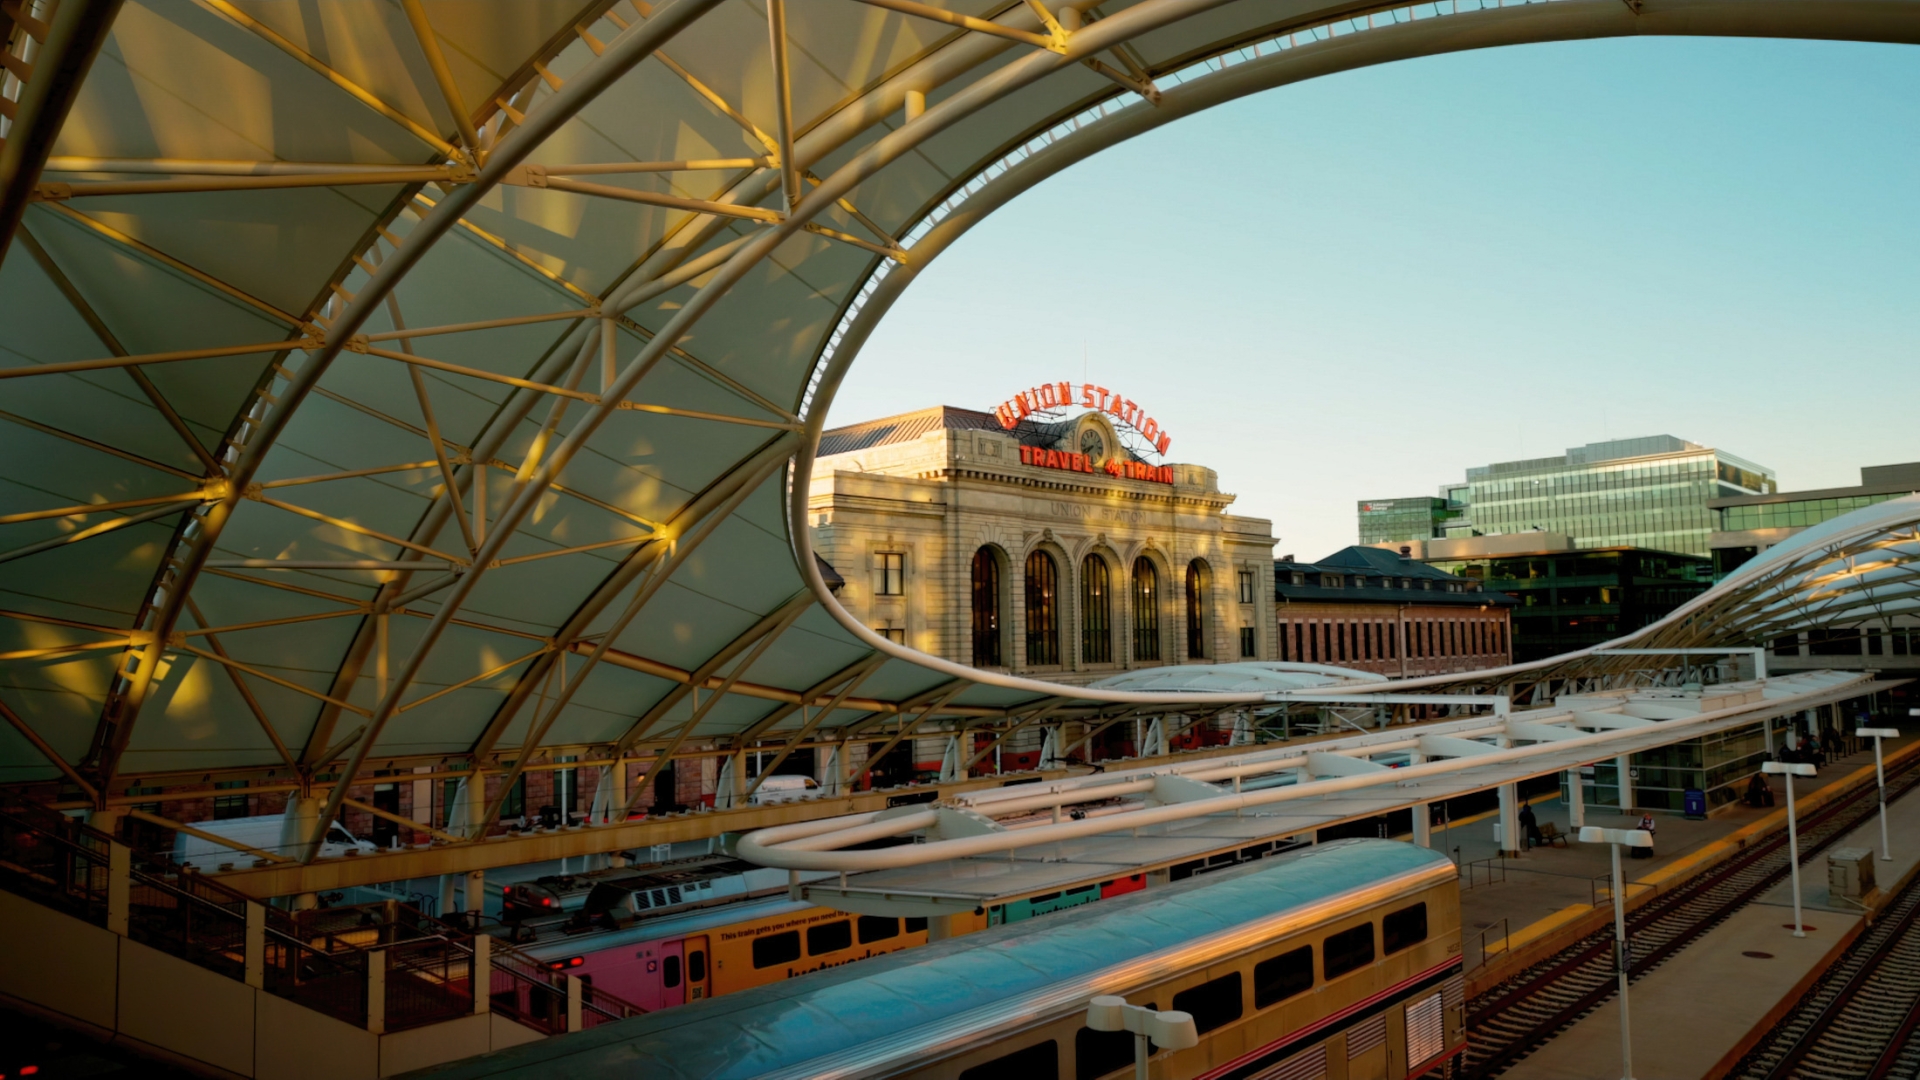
[
  {"x": 905, "y": 427},
  {"x": 441, "y": 382}
]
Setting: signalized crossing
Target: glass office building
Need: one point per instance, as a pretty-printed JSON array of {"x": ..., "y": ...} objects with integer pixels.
[
  {"x": 1569, "y": 600},
  {"x": 1746, "y": 525},
  {"x": 1647, "y": 493},
  {"x": 1384, "y": 521}
]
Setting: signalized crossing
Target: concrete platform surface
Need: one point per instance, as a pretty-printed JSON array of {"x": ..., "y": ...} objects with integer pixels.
[
  {"x": 1694, "y": 1011},
  {"x": 1695, "y": 1008},
  {"x": 1543, "y": 887}
]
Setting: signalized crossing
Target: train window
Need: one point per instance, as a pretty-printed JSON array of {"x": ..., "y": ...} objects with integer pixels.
[
  {"x": 670, "y": 972},
  {"x": 1403, "y": 929},
  {"x": 916, "y": 925},
  {"x": 829, "y": 937},
  {"x": 1213, "y": 1003},
  {"x": 697, "y": 966},
  {"x": 1097, "y": 1053},
  {"x": 1348, "y": 950},
  {"x": 1283, "y": 976},
  {"x": 874, "y": 928},
  {"x": 1040, "y": 1061},
  {"x": 776, "y": 949}
]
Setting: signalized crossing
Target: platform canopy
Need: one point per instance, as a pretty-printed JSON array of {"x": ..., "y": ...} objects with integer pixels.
[{"x": 385, "y": 381}]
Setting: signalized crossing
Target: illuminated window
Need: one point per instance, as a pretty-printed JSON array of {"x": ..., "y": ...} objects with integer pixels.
[
  {"x": 1146, "y": 610},
  {"x": 1096, "y": 612},
  {"x": 1043, "y": 615},
  {"x": 986, "y": 609},
  {"x": 1248, "y": 583},
  {"x": 1196, "y": 611}
]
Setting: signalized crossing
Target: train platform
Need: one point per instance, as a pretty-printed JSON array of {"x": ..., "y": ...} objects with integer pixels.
[
  {"x": 1511, "y": 907},
  {"x": 1686, "y": 1024}
]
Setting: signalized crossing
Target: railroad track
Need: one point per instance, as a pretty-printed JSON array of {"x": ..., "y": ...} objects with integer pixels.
[
  {"x": 1511, "y": 1020},
  {"x": 1858, "y": 1021}
]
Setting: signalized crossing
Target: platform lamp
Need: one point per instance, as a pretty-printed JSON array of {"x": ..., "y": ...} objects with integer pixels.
[
  {"x": 1622, "y": 957},
  {"x": 1169, "y": 1030},
  {"x": 1791, "y": 769},
  {"x": 1880, "y": 774}
]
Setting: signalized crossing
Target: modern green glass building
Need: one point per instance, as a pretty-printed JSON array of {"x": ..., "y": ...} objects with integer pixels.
[
  {"x": 1648, "y": 493},
  {"x": 1747, "y": 525},
  {"x": 1569, "y": 600},
  {"x": 1385, "y": 521}
]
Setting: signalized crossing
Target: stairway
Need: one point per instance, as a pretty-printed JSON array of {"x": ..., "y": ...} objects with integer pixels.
[{"x": 142, "y": 952}]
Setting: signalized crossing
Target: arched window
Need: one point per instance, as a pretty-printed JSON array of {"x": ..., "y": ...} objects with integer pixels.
[
  {"x": 1096, "y": 612},
  {"x": 1043, "y": 615},
  {"x": 1196, "y": 611},
  {"x": 1146, "y": 610},
  {"x": 986, "y": 609}
]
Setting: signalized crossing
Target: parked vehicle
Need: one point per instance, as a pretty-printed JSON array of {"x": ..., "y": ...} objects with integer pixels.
[{"x": 264, "y": 832}]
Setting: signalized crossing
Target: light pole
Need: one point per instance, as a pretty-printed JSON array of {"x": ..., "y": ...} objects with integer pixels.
[
  {"x": 1791, "y": 769},
  {"x": 1880, "y": 774},
  {"x": 1623, "y": 958},
  {"x": 1169, "y": 1030}
]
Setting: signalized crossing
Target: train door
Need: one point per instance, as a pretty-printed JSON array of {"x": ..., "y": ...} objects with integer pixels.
[
  {"x": 695, "y": 954},
  {"x": 648, "y": 992},
  {"x": 673, "y": 974}
]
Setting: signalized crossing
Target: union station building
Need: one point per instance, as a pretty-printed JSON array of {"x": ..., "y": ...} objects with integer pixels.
[{"x": 1047, "y": 547}]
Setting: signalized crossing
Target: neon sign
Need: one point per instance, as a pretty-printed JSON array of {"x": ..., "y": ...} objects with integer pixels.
[
  {"x": 1081, "y": 463},
  {"x": 1060, "y": 396}
]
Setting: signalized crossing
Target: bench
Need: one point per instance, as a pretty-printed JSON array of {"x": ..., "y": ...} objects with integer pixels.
[{"x": 1551, "y": 835}]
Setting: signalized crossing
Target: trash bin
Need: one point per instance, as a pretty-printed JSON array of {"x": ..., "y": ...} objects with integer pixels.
[{"x": 1693, "y": 802}]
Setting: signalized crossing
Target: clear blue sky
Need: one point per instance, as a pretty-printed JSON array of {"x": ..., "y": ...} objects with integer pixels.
[{"x": 1357, "y": 287}]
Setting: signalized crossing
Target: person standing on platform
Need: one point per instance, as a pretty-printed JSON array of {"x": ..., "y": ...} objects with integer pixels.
[
  {"x": 1530, "y": 826},
  {"x": 1646, "y": 826}
]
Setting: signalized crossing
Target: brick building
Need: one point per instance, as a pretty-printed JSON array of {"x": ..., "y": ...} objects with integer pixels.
[{"x": 1377, "y": 610}]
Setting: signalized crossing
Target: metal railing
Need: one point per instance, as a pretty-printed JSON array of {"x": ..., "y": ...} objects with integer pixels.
[
  {"x": 64, "y": 868},
  {"x": 1483, "y": 872},
  {"x": 1504, "y": 936},
  {"x": 537, "y": 995},
  {"x": 341, "y": 961}
]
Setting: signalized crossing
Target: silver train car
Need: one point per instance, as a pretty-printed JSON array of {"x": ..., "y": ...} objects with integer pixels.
[{"x": 1339, "y": 962}]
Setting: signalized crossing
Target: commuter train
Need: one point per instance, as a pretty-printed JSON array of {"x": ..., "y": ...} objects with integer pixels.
[
  {"x": 1339, "y": 961},
  {"x": 658, "y": 945}
]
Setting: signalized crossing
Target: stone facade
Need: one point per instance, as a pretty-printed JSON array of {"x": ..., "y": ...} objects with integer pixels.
[{"x": 901, "y": 507}]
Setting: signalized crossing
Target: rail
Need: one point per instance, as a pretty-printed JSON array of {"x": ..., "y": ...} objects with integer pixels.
[{"x": 1508, "y": 1021}]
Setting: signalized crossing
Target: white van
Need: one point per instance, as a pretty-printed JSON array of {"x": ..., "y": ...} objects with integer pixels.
[
  {"x": 779, "y": 789},
  {"x": 263, "y": 832}
]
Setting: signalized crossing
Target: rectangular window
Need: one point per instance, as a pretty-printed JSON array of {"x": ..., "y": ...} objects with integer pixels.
[
  {"x": 229, "y": 806},
  {"x": 1403, "y": 929},
  {"x": 1247, "y": 585},
  {"x": 895, "y": 634},
  {"x": 1098, "y": 1053},
  {"x": 1038, "y": 1062},
  {"x": 781, "y": 948},
  {"x": 893, "y": 567},
  {"x": 1248, "y": 647},
  {"x": 875, "y": 928},
  {"x": 916, "y": 924},
  {"x": 1348, "y": 950},
  {"x": 1214, "y": 1003},
  {"x": 829, "y": 937},
  {"x": 1282, "y": 977}
]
